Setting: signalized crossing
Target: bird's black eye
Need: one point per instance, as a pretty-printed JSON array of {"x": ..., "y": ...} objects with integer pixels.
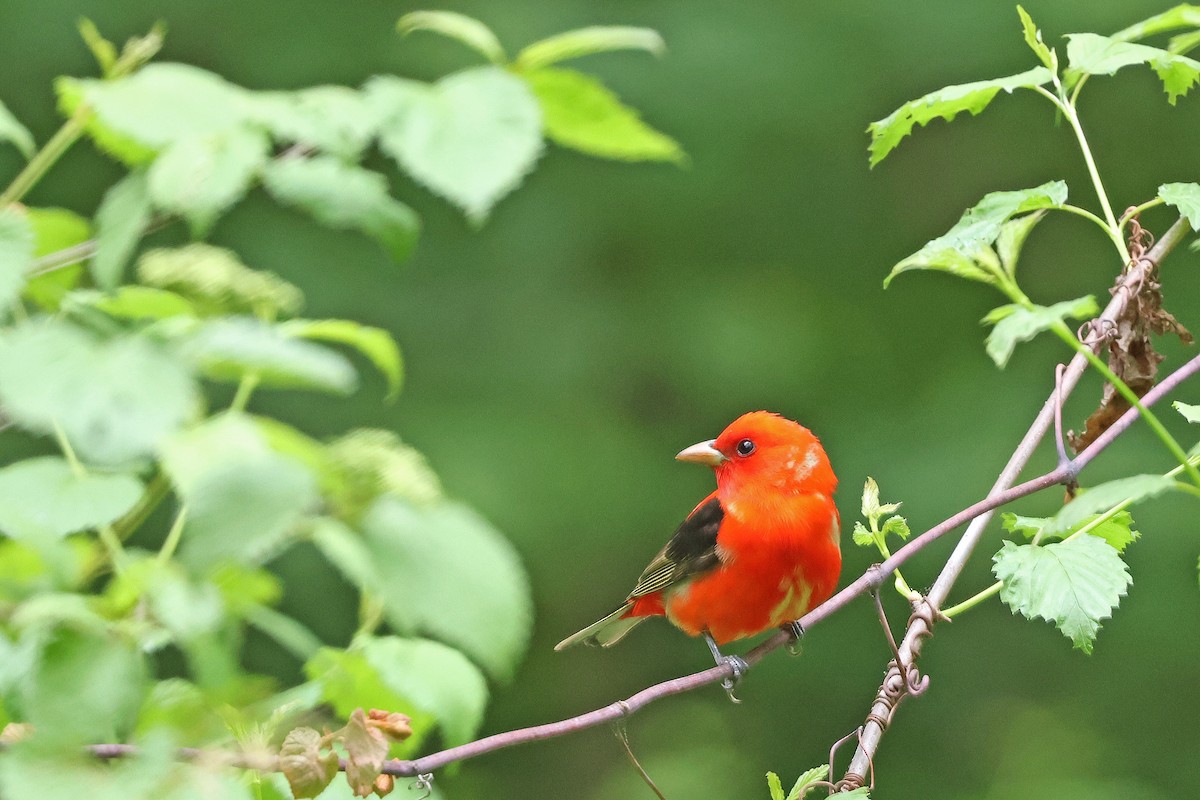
[{"x": 745, "y": 447}]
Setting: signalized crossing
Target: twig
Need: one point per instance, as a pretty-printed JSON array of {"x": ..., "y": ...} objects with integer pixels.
[{"x": 910, "y": 647}]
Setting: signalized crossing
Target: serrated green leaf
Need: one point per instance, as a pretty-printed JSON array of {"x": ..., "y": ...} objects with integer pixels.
[
  {"x": 56, "y": 230},
  {"x": 17, "y": 244},
  {"x": 446, "y": 572},
  {"x": 965, "y": 249},
  {"x": 897, "y": 526},
  {"x": 308, "y": 763},
  {"x": 1026, "y": 526},
  {"x": 121, "y": 220},
  {"x": 1190, "y": 412},
  {"x": 345, "y": 196},
  {"x": 588, "y": 41},
  {"x": 329, "y": 119},
  {"x": 1117, "y": 530},
  {"x": 231, "y": 348},
  {"x": 1099, "y": 499},
  {"x": 1185, "y": 198},
  {"x": 775, "y": 787},
  {"x": 945, "y": 104},
  {"x": 243, "y": 498},
  {"x": 1092, "y": 54},
  {"x": 11, "y": 130},
  {"x": 115, "y": 399},
  {"x": 1181, "y": 16},
  {"x": 580, "y": 112},
  {"x": 134, "y": 303},
  {"x": 862, "y": 537},
  {"x": 1012, "y": 238},
  {"x": 376, "y": 344},
  {"x": 45, "y": 494},
  {"x": 217, "y": 281},
  {"x": 802, "y": 785},
  {"x": 1074, "y": 584},
  {"x": 1015, "y": 324},
  {"x": 870, "y": 498},
  {"x": 467, "y": 30},
  {"x": 199, "y": 177},
  {"x": 471, "y": 137},
  {"x": 1033, "y": 38}
]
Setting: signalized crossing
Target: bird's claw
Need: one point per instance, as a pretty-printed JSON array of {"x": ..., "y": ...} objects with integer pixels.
[
  {"x": 738, "y": 667},
  {"x": 795, "y": 633}
]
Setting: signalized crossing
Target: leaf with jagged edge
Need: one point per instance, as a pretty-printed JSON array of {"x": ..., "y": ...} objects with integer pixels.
[
  {"x": 1181, "y": 16},
  {"x": 1015, "y": 324},
  {"x": 1117, "y": 530},
  {"x": 1185, "y": 198},
  {"x": 1099, "y": 499},
  {"x": 459, "y": 27},
  {"x": 803, "y": 784},
  {"x": 589, "y": 41},
  {"x": 1092, "y": 54},
  {"x": 1033, "y": 38}
]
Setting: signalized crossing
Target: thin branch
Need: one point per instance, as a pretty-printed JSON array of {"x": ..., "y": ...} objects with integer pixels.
[{"x": 918, "y": 630}]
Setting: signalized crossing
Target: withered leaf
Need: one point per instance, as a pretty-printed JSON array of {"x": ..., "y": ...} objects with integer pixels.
[
  {"x": 366, "y": 748},
  {"x": 308, "y": 770}
]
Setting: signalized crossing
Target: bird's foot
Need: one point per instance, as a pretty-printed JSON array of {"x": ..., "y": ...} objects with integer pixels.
[
  {"x": 795, "y": 632},
  {"x": 739, "y": 667}
]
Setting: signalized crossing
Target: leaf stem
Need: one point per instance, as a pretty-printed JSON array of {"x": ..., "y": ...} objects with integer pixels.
[
  {"x": 156, "y": 491},
  {"x": 1112, "y": 236},
  {"x": 1133, "y": 212},
  {"x": 1073, "y": 118},
  {"x": 64, "y": 444},
  {"x": 245, "y": 388},
  {"x": 973, "y": 600},
  {"x": 171, "y": 543},
  {"x": 45, "y": 158}
]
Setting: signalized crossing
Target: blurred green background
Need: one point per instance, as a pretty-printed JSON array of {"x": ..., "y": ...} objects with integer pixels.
[{"x": 608, "y": 315}]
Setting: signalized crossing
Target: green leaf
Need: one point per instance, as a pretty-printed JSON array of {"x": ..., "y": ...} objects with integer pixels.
[
  {"x": 231, "y": 348},
  {"x": 125, "y": 149},
  {"x": 11, "y": 130},
  {"x": 1184, "y": 42},
  {"x": 1181, "y": 16},
  {"x": 1027, "y": 526},
  {"x": 945, "y": 104},
  {"x": 199, "y": 177},
  {"x": 1092, "y": 54},
  {"x": 115, "y": 399},
  {"x": 863, "y": 537},
  {"x": 134, "y": 303},
  {"x": 1015, "y": 324},
  {"x": 802, "y": 785},
  {"x": 1011, "y": 239},
  {"x": 580, "y": 112},
  {"x": 1190, "y": 413},
  {"x": 1185, "y": 198},
  {"x": 16, "y": 254},
  {"x": 898, "y": 526},
  {"x": 775, "y": 786},
  {"x": 1117, "y": 530},
  {"x": 588, "y": 41},
  {"x": 446, "y": 572},
  {"x": 45, "y": 494},
  {"x": 56, "y": 230},
  {"x": 345, "y": 196},
  {"x": 217, "y": 281},
  {"x": 104, "y": 51},
  {"x": 467, "y": 30},
  {"x": 1033, "y": 38},
  {"x": 470, "y": 137},
  {"x": 346, "y": 550},
  {"x": 243, "y": 498},
  {"x": 965, "y": 249},
  {"x": 328, "y": 119},
  {"x": 376, "y": 344},
  {"x": 120, "y": 222},
  {"x": 1074, "y": 584},
  {"x": 308, "y": 763},
  {"x": 288, "y": 632},
  {"x": 1099, "y": 499}
]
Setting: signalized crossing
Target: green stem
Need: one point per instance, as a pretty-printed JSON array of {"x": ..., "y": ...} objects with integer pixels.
[
  {"x": 901, "y": 585},
  {"x": 45, "y": 158},
  {"x": 973, "y": 600},
  {"x": 245, "y": 388},
  {"x": 173, "y": 536},
  {"x": 1133, "y": 212},
  {"x": 1112, "y": 236},
  {"x": 156, "y": 491},
  {"x": 1073, "y": 118},
  {"x": 116, "y": 551},
  {"x": 64, "y": 444}
]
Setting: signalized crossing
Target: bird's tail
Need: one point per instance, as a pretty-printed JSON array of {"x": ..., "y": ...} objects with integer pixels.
[{"x": 607, "y": 631}]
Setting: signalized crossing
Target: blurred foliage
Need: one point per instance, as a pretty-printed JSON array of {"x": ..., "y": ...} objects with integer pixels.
[{"x": 605, "y": 317}]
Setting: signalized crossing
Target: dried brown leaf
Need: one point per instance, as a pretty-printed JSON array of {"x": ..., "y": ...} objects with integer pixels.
[
  {"x": 366, "y": 749},
  {"x": 393, "y": 724},
  {"x": 308, "y": 770}
]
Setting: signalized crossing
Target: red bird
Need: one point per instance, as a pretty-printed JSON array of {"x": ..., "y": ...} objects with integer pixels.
[{"x": 759, "y": 552}]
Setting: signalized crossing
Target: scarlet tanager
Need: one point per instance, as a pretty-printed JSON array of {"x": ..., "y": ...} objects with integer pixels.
[{"x": 759, "y": 552}]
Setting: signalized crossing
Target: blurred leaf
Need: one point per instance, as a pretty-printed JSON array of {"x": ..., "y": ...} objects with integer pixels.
[
  {"x": 964, "y": 250},
  {"x": 56, "y": 229},
  {"x": 366, "y": 748},
  {"x": 288, "y": 633},
  {"x": 801, "y": 787},
  {"x": 1184, "y": 42},
  {"x": 134, "y": 303},
  {"x": 37, "y": 770},
  {"x": 1185, "y": 198},
  {"x": 42, "y": 565},
  {"x": 16, "y": 254},
  {"x": 243, "y": 587},
  {"x": 945, "y": 104},
  {"x": 11, "y": 130},
  {"x": 216, "y": 278},
  {"x": 104, "y": 51},
  {"x": 446, "y": 572},
  {"x": 345, "y": 196},
  {"x": 115, "y": 399},
  {"x": 308, "y": 763},
  {"x": 1190, "y": 413},
  {"x": 120, "y": 222},
  {"x": 1074, "y": 584},
  {"x": 120, "y": 146},
  {"x": 346, "y": 550},
  {"x": 44, "y": 494},
  {"x": 329, "y": 119},
  {"x": 1099, "y": 499},
  {"x": 1092, "y": 54},
  {"x": 64, "y": 699},
  {"x": 588, "y": 41},
  {"x": 467, "y": 30},
  {"x": 1181, "y": 16},
  {"x": 580, "y": 112},
  {"x": 366, "y": 463},
  {"x": 242, "y": 497},
  {"x": 1012, "y": 238},
  {"x": 229, "y": 349},
  {"x": 199, "y": 177},
  {"x": 1033, "y": 38},
  {"x": 179, "y": 706},
  {"x": 376, "y": 344},
  {"x": 470, "y": 137},
  {"x": 1015, "y": 324}
]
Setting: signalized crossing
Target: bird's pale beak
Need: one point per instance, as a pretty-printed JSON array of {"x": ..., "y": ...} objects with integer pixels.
[{"x": 703, "y": 453}]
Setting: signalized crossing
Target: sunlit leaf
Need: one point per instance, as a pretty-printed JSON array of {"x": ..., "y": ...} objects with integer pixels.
[
  {"x": 1181, "y": 16},
  {"x": 45, "y": 494},
  {"x": 1092, "y": 54},
  {"x": 56, "y": 230},
  {"x": 11, "y": 130},
  {"x": 120, "y": 222},
  {"x": 580, "y": 112},
  {"x": 329, "y": 119},
  {"x": 198, "y": 177},
  {"x": 1190, "y": 412},
  {"x": 1074, "y": 584},
  {"x": 1033, "y": 38},
  {"x": 1099, "y": 499},
  {"x": 1117, "y": 530},
  {"x": 134, "y": 303},
  {"x": 945, "y": 104},
  {"x": 1015, "y": 324},
  {"x": 588, "y": 41},
  {"x": 467, "y": 30},
  {"x": 470, "y": 137}
]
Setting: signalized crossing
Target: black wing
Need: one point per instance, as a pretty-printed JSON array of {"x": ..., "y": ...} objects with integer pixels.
[{"x": 690, "y": 552}]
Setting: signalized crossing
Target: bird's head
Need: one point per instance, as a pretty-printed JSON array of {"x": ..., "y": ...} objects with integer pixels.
[{"x": 761, "y": 450}]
